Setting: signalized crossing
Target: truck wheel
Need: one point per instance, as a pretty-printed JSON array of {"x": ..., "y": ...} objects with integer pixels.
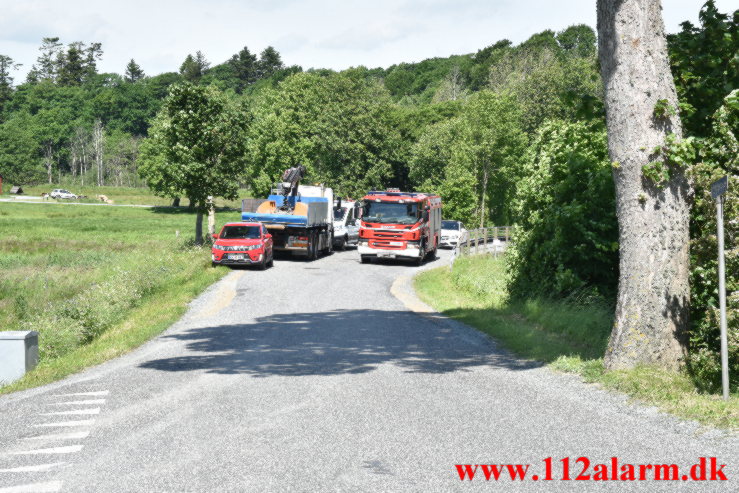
[
  {"x": 365, "y": 259},
  {"x": 418, "y": 262}
]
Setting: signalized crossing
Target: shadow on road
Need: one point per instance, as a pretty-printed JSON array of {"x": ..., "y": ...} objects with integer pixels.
[{"x": 334, "y": 343}]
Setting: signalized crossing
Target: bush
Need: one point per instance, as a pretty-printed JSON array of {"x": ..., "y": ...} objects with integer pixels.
[
  {"x": 719, "y": 156},
  {"x": 566, "y": 239}
]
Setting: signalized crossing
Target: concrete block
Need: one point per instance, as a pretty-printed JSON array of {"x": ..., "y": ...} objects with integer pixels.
[{"x": 18, "y": 354}]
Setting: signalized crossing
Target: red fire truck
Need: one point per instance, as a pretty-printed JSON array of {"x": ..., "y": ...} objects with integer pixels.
[{"x": 399, "y": 224}]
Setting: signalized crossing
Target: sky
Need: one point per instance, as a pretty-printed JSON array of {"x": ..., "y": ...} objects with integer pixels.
[{"x": 334, "y": 34}]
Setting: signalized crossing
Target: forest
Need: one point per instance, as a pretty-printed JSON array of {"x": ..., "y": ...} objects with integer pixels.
[{"x": 512, "y": 134}]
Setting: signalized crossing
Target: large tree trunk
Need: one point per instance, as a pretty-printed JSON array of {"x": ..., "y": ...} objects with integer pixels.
[
  {"x": 49, "y": 161},
  {"x": 199, "y": 227},
  {"x": 211, "y": 217},
  {"x": 653, "y": 292},
  {"x": 97, "y": 137}
]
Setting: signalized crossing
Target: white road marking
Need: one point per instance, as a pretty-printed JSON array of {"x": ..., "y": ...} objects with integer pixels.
[
  {"x": 70, "y": 449},
  {"x": 100, "y": 392},
  {"x": 78, "y": 412},
  {"x": 61, "y": 436},
  {"x": 38, "y": 468},
  {"x": 83, "y": 422},
  {"x": 48, "y": 487},
  {"x": 89, "y": 401}
]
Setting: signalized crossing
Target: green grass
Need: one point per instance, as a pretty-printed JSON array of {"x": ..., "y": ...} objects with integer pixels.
[
  {"x": 119, "y": 195},
  {"x": 567, "y": 336},
  {"x": 95, "y": 282}
]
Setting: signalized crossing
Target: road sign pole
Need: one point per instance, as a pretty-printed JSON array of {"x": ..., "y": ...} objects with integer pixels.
[{"x": 722, "y": 297}]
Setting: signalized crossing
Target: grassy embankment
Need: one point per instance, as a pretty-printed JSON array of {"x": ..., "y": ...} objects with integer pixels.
[
  {"x": 119, "y": 195},
  {"x": 95, "y": 281},
  {"x": 566, "y": 336}
]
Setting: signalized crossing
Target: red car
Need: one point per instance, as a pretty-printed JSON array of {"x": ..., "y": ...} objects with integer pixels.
[{"x": 243, "y": 244}]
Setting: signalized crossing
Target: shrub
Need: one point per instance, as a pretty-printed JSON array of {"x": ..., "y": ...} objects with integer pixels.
[{"x": 567, "y": 236}]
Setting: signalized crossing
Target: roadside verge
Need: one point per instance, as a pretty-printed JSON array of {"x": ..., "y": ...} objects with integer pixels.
[{"x": 538, "y": 339}]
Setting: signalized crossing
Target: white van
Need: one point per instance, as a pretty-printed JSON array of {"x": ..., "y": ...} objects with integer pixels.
[{"x": 346, "y": 224}]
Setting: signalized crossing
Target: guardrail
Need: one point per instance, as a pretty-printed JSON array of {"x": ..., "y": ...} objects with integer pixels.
[{"x": 493, "y": 240}]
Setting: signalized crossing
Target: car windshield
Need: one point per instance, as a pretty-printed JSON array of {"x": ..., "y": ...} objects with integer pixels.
[
  {"x": 339, "y": 213},
  {"x": 240, "y": 233},
  {"x": 449, "y": 225},
  {"x": 390, "y": 212}
]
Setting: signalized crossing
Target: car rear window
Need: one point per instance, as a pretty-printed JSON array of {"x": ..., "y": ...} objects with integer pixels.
[{"x": 240, "y": 232}]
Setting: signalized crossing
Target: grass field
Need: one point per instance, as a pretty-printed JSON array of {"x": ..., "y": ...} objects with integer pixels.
[
  {"x": 106, "y": 278},
  {"x": 119, "y": 195},
  {"x": 567, "y": 336}
]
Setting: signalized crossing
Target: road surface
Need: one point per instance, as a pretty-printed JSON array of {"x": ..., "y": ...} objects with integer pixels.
[{"x": 313, "y": 376}]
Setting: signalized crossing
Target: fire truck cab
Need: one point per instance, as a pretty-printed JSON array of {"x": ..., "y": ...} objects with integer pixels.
[{"x": 395, "y": 224}]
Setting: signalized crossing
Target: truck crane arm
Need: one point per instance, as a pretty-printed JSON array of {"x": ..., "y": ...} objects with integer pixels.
[{"x": 290, "y": 181}]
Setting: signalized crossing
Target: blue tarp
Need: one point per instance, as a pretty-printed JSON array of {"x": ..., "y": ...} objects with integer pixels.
[{"x": 286, "y": 219}]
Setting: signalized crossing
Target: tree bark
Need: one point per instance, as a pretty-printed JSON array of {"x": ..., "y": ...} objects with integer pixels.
[
  {"x": 97, "y": 136},
  {"x": 482, "y": 197},
  {"x": 49, "y": 161},
  {"x": 199, "y": 227},
  {"x": 211, "y": 217},
  {"x": 653, "y": 293}
]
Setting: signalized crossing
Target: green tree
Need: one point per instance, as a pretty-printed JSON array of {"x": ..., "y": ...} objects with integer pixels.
[
  {"x": 133, "y": 72},
  {"x": 472, "y": 160},
  {"x": 578, "y": 40},
  {"x": 339, "y": 126},
  {"x": 20, "y": 163},
  {"x": 269, "y": 62},
  {"x": 47, "y": 64},
  {"x": 7, "y": 65},
  {"x": 547, "y": 83},
  {"x": 244, "y": 67},
  {"x": 705, "y": 64},
  {"x": 718, "y": 156},
  {"x": 195, "y": 148},
  {"x": 194, "y": 67},
  {"x": 565, "y": 212},
  {"x": 72, "y": 65}
]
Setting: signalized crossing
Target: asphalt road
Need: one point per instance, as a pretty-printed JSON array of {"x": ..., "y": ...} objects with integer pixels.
[{"x": 312, "y": 376}]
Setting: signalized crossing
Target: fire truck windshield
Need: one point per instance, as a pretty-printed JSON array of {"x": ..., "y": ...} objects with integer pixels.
[{"x": 390, "y": 212}]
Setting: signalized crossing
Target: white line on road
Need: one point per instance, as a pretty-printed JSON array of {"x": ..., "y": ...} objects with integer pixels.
[
  {"x": 61, "y": 436},
  {"x": 38, "y": 468},
  {"x": 78, "y": 412},
  {"x": 70, "y": 449},
  {"x": 48, "y": 487},
  {"x": 89, "y": 401},
  {"x": 100, "y": 392},
  {"x": 83, "y": 422}
]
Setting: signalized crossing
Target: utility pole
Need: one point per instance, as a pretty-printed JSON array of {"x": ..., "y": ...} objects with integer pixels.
[{"x": 718, "y": 191}]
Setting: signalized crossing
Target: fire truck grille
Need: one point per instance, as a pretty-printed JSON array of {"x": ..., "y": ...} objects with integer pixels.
[
  {"x": 388, "y": 245},
  {"x": 389, "y": 234}
]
